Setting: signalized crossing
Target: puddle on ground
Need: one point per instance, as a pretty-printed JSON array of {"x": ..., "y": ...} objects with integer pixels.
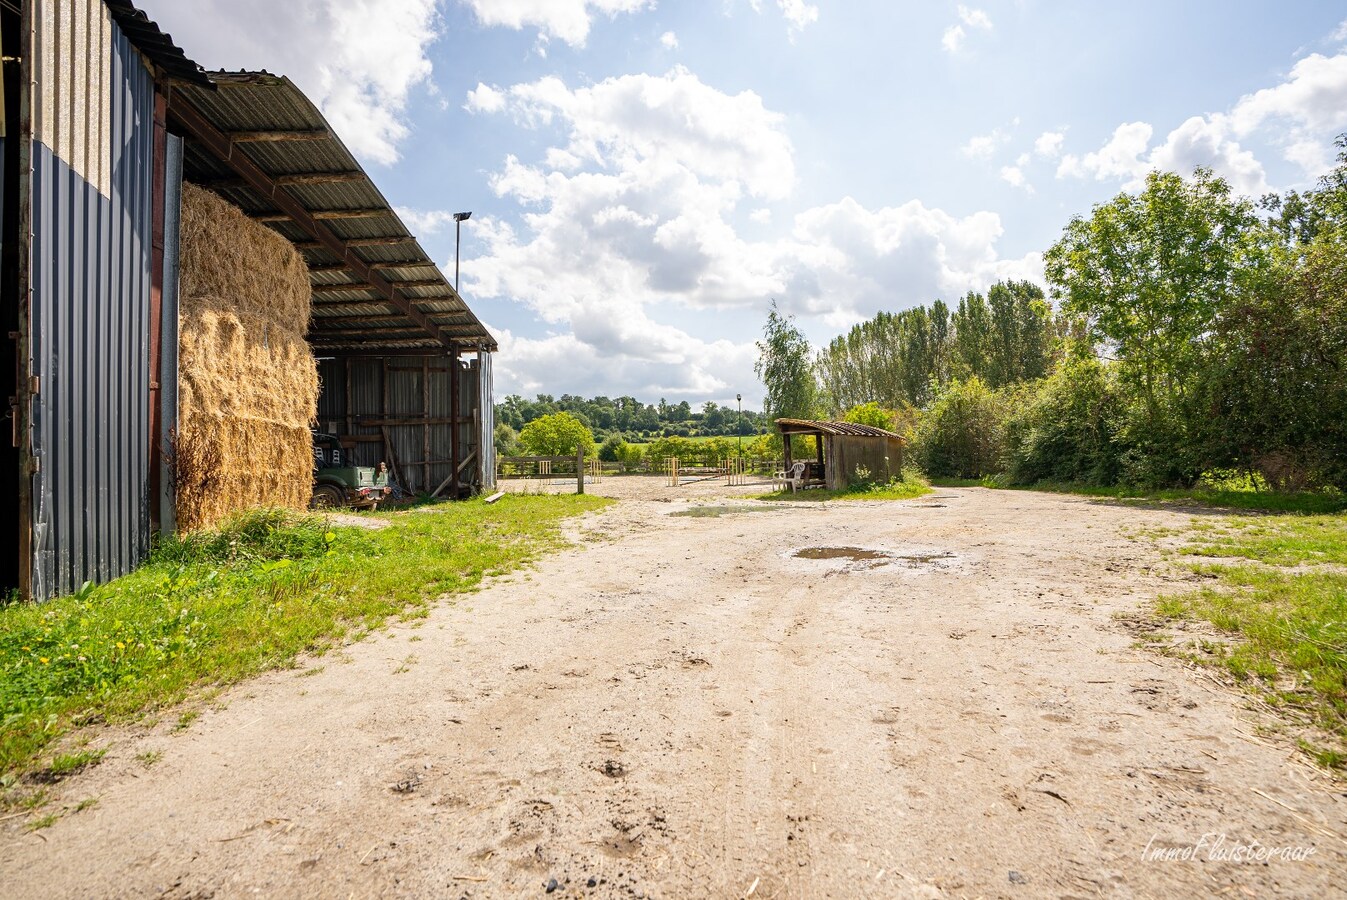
[
  {"x": 856, "y": 554},
  {"x": 698, "y": 512},
  {"x": 872, "y": 558}
]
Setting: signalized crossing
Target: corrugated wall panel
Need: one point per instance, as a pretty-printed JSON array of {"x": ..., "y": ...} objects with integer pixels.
[
  {"x": 487, "y": 404},
  {"x": 406, "y": 399},
  {"x": 91, "y": 205}
]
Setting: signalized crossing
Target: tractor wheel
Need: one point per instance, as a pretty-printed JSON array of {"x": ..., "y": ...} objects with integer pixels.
[{"x": 326, "y": 496}]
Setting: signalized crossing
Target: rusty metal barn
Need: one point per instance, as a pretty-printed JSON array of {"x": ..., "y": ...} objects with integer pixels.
[{"x": 104, "y": 118}]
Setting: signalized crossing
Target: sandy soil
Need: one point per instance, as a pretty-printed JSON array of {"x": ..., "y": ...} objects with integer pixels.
[{"x": 682, "y": 707}]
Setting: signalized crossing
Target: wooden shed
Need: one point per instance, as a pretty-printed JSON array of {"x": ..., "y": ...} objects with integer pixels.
[{"x": 845, "y": 453}]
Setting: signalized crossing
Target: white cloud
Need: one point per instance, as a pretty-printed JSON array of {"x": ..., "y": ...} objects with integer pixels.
[
  {"x": 955, "y": 35},
  {"x": 984, "y": 146},
  {"x": 422, "y": 223},
  {"x": 1309, "y": 107},
  {"x": 1314, "y": 96},
  {"x": 1049, "y": 144},
  {"x": 669, "y": 40},
  {"x": 974, "y": 18},
  {"x": 1120, "y": 157},
  {"x": 1302, "y": 114},
  {"x": 1340, "y": 33},
  {"x": 631, "y": 209},
  {"x": 1204, "y": 141},
  {"x": 953, "y": 38},
  {"x": 1015, "y": 177},
  {"x": 358, "y": 60},
  {"x": 485, "y": 98},
  {"x": 663, "y": 122},
  {"x": 1199, "y": 141},
  {"x": 565, "y": 20},
  {"x": 798, "y": 14}
]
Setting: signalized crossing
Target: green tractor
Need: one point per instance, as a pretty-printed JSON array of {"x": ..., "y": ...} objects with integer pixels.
[{"x": 338, "y": 484}]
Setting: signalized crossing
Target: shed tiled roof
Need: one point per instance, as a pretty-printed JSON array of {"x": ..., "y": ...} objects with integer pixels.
[
  {"x": 262, "y": 145},
  {"x": 851, "y": 429}
]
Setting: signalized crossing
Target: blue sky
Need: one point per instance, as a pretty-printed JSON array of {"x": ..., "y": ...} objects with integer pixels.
[{"x": 644, "y": 178}]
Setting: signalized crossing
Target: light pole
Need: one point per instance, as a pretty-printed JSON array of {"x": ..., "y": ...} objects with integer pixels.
[
  {"x": 739, "y": 428},
  {"x": 459, "y": 219}
]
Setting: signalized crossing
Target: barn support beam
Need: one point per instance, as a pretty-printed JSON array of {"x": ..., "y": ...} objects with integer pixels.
[{"x": 225, "y": 149}]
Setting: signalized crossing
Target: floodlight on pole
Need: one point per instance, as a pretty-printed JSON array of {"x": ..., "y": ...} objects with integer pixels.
[{"x": 459, "y": 219}]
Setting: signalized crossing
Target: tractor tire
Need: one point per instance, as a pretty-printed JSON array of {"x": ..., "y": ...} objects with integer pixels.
[{"x": 327, "y": 496}]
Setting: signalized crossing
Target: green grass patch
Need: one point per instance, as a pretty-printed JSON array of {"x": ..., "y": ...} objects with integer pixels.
[
  {"x": 894, "y": 490},
  {"x": 211, "y": 609},
  {"x": 1225, "y": 498},
  {"x": 1282, "y": 614}
]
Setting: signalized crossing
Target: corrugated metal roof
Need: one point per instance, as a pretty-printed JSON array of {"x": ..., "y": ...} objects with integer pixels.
[
  {"x": 852, "y": 429},
  {"x": 272, "y": 124},
  {"x": 158, "y": 47}
]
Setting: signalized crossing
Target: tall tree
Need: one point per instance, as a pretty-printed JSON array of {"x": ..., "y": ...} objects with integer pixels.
[
  {"x": 785, "y": 367},
  {"x": 1150, "y": 273}
]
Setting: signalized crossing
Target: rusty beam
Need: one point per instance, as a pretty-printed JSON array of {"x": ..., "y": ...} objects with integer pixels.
[
  {"x": 278, "y": 136},
  {"x": 321, "y": 178},
  {"x": 390, "y": 241},
  {"x": 225, "y": 149},
  {"x": 460, "y": 322},
  {"x": 324, "y": 215},
  {"x": 338, "y": 288},
  {"x": 423, "y": 264},
  {"x": 420, "y": 283}
]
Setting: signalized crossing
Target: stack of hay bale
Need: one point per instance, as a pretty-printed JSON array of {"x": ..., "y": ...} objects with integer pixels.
[{"x": 248, "y": 382}]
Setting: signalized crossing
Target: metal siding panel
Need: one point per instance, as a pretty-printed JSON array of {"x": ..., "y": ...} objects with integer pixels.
[
  {"x": 486, "y": 402},
  {"x": 168, "y": 389},
  {"x": 90, "y": 299}
]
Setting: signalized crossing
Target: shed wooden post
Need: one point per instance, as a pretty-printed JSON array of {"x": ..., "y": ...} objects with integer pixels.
[
  {"x": 454, "y": 412},
  {"x": 425, "y": 424},
  {"x": 579, "y": 470}
]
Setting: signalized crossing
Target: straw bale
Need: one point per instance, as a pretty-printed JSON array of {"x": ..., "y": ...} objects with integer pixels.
[
  {"x": 225, "y": 254},
  {"x": 248, "y": 382}
]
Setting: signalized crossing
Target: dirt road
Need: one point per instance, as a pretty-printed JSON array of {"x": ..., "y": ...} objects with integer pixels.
[{"x": 683, "y": 706}]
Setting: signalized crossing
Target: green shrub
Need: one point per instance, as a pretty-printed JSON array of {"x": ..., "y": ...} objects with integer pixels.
[
  {"x": 611, "y": 449},
  {"x": 962, "y": 436},
  {"x": 1064, "y": 428}
]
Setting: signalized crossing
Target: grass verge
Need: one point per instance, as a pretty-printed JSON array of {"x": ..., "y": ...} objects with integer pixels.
[
  {"x": 213, "y": 608},
  {"x": 1252, "y": 500},
  {"x": 1280, "y": 607},
  {"x": 894, "y": 490}
]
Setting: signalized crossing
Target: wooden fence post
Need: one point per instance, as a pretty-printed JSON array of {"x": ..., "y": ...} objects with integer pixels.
[{"x": 580, "y": 470}]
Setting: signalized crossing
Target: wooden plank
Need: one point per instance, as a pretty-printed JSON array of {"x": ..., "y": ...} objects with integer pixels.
[
  {"x": 425, "y": 410},
  {"x": 278, "y": 136},
  {"x": 454, "y": 449},
  {"x": 494, "y": 497}
]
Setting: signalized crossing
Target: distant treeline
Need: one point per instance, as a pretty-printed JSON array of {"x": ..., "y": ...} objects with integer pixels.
[
  {"x": 631, "y": 419},
  {"x": 903, "y": 359}
]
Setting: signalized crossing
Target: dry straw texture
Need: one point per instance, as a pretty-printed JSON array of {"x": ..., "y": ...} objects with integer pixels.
[{"x": 248, "y": 385}]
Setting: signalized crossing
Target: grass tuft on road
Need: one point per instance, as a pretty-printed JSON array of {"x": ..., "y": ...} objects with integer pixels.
[
  {"x": 212, "y": 608},
  {"x": 1305, "y": 502},
  {"x": 906, "y": 489},
  {"x": 1280, "y": 607}
]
